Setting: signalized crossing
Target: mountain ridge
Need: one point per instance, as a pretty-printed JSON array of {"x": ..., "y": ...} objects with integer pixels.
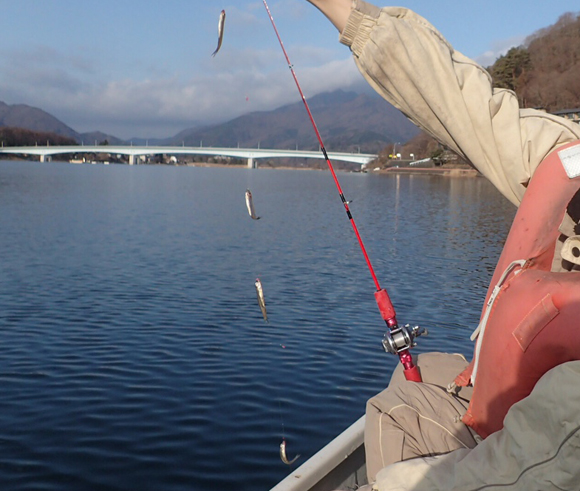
[
  {"x": 35, "y": 119},
  {"x": 347, "y": 121}
]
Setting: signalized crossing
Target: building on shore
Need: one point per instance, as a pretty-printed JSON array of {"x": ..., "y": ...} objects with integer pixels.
[{"x": 571, "y": 114}]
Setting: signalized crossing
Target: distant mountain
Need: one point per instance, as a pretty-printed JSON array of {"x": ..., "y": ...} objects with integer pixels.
[
  {"x": 15, "y": 137},
  {"x": 32, "y": 118},
  {"x": 136, "y": 140},
  {"x": 91, "y": 137},
  {"x": 35, "y": 119},
  {"x": 347, "y": 121}
]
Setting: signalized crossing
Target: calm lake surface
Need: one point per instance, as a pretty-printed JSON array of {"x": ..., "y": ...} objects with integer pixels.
[{"x": 133, "y": 353}]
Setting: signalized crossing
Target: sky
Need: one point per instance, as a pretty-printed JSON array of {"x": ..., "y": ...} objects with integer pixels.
[{"x": 143, "y": 68}]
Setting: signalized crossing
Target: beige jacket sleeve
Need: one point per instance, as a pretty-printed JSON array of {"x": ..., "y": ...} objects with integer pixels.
[
  {"x": 537, "y": 448},
  {"x": 408, "y": 62}
]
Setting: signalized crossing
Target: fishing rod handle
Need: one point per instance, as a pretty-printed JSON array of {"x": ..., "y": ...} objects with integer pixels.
[
  {"x": 410, "y": 371},
  {"x": 386, "y": 307},
  {"x": 388, "y": 314}
]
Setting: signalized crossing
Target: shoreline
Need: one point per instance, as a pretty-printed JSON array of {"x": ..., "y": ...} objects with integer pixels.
[
  {"x": 281, "y": 167},
  {"x": 434, "y": 171}
]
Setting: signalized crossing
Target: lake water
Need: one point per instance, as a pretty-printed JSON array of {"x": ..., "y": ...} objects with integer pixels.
[{"x": 133, "y": 353}]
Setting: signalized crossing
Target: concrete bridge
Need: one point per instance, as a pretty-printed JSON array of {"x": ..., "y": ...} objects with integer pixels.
[{"x": 251, "y": 154}]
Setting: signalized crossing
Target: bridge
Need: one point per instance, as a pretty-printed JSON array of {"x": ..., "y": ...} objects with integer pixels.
[{"x": 250, "y": 154}]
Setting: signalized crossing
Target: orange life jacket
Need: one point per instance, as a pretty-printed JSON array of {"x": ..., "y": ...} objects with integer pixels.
[{"x": 531, "y": 318}]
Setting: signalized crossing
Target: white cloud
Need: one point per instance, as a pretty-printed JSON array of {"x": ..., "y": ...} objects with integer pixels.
[
  {"x": 498, "y": 48},
  {"x": 238, "y": 82}
]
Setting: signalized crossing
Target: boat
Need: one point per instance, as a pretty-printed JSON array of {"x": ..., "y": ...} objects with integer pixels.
[{"x": 340, "y": 465}]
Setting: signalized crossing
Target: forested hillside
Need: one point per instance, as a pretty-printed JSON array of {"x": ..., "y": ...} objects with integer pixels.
[
  {"x": 545, "y": 71},
  {"x": 15, "y": 137}
]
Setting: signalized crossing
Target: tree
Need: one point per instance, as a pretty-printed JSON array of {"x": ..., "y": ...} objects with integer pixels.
[
  {"x": 13, "y": 136},
  {"x": 544, "y": 71},
  {"x": 437, "y": 156},
  {"x": 510, "y": 70}
]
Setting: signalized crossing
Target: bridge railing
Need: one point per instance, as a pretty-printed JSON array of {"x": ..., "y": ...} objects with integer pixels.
[{"x": 131, "y": 150}]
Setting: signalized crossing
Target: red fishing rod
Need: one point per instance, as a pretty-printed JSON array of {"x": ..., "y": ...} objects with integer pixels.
[{"x": 398, "y": 339}]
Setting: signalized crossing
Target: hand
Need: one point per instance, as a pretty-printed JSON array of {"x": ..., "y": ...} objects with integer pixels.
[{"x": 337, "y": 11}]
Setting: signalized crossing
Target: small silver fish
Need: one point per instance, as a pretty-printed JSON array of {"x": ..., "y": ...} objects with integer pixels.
[
  {"x": 261, "y": 299},
  {"x": 221, "y": 24},
  {"x": 250, "y": 205},
  {"x": 283, "y": 454}
]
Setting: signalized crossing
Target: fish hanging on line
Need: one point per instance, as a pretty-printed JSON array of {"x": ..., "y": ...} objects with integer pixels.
[
  {"x": 221, "y": 24},
  {"x": 283, "y": 454},
  {"x": 261, "y": 299},
  {"x": 250, "y": 205}
]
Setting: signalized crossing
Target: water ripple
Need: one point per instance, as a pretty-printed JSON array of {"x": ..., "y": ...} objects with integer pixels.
[{"x": 134, "y": 354}]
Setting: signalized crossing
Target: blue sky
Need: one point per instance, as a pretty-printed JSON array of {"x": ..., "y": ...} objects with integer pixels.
[{"x": 143, "y": 67}]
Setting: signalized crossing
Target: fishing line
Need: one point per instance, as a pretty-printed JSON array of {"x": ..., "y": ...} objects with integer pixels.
[
  {"x": 281, "y": 418},
  {"x": 252, "y": 213},
  {"x": 323, "y": 149},
  {"x": 404, "y": 338}
]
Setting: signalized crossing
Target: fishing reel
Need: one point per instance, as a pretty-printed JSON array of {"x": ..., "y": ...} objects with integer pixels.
[{"x": 402, "y": 338}]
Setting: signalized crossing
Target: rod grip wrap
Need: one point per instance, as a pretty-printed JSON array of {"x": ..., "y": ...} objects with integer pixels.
[
  {"x": 385, "y": 305},
  {"x": 412, "y": 374}
]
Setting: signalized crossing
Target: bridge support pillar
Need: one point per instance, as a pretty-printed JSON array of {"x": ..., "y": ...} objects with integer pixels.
[
  {"x": 131, "y": 159},
  {"x": 251, "y": 163},
  {"x": 42, "y": 158}
]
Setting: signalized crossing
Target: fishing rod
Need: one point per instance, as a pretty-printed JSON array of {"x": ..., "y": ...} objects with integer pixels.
[{"x": 398, "y": 339}]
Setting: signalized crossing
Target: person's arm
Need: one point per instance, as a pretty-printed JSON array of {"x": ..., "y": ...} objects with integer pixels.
[
  {"x": 337, "y": 11},
  {"x": 408, "y": 62}
]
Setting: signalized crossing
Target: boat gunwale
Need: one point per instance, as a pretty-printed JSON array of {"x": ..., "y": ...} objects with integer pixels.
[{"x": 327, "y": 460}]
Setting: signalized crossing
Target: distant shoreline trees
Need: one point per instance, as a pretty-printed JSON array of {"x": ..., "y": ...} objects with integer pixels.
[{"x": 17, "y": 137}]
